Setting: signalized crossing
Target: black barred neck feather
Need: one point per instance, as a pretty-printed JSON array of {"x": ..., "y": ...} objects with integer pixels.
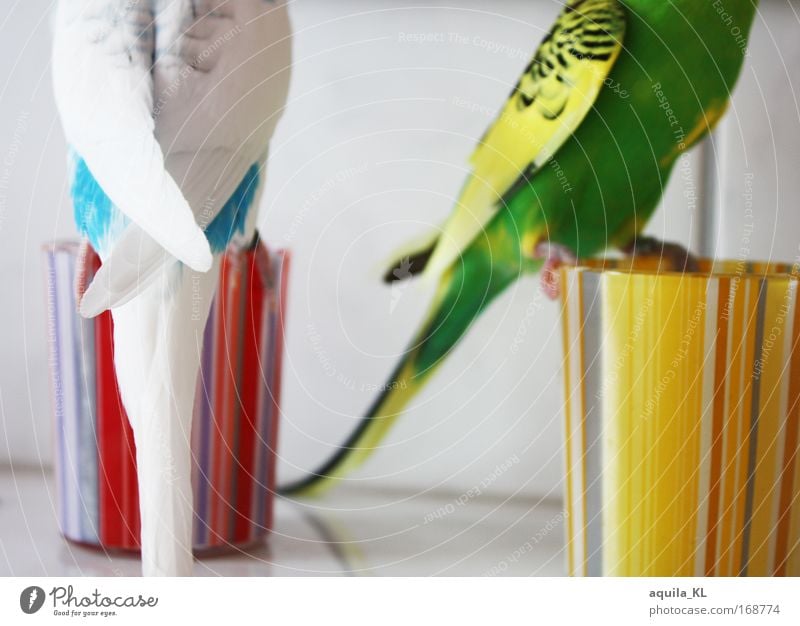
[
  {"x": 575, "y": 4},
  {"x": 586, "y": 31},
  {"x": 582, "y": 6}
]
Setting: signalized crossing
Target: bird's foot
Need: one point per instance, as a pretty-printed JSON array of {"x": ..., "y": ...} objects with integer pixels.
[
  {"x": 554, "y": 255},
  {"x": 678, "y": 257}
]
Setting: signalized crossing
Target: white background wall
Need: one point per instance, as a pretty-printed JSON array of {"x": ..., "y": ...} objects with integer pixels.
[{"x": 372, "y": 151}]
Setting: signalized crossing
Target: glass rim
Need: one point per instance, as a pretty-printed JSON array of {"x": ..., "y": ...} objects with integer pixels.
[{"x": 709, "y": 268}]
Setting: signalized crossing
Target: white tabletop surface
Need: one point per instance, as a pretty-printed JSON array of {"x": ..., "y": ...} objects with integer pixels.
[{"x": 348, "y": 532}]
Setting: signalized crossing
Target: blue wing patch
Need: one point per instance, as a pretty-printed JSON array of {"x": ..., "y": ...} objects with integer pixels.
[
  {"x": 95, "y": 216},
  {"x": 231, "y": 218},
  {"x": 103, "y": 223}
]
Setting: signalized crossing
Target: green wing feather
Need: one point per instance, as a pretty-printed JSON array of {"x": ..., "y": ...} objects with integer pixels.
[{"x": 551, "y": 99}]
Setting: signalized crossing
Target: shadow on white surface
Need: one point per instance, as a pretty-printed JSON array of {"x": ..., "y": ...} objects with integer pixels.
[{"x": 351, "y": 532}]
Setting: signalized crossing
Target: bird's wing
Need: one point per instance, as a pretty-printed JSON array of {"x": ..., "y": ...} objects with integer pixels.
[
  {"x": 137, "y": 260},
  {"x": 553, "y": 96},
  {"x": 221, "y": 77},
  {"x": 102, "y": 52}
]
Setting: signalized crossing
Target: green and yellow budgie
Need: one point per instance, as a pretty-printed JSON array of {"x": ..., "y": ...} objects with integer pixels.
[{"x": 575, "y": 163}]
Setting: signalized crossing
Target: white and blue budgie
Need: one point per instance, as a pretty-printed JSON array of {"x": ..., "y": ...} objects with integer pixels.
[{"x": 168, "y": 107}]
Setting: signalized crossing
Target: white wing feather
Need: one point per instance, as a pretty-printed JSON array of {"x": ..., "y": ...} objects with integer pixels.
[
  {"x": 220, "y": 81},
  {"x": 103, "y": 90}
]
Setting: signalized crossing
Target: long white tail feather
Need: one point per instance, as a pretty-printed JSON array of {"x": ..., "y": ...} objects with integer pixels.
[{"x": 158, "y": 340}]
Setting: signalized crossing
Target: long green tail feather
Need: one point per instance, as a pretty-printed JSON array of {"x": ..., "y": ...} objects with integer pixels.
[{"x": 464, "y": 291}]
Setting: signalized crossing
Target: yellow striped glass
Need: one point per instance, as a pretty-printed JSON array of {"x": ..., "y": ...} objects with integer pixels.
[{"x": 682, "y": 407}]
